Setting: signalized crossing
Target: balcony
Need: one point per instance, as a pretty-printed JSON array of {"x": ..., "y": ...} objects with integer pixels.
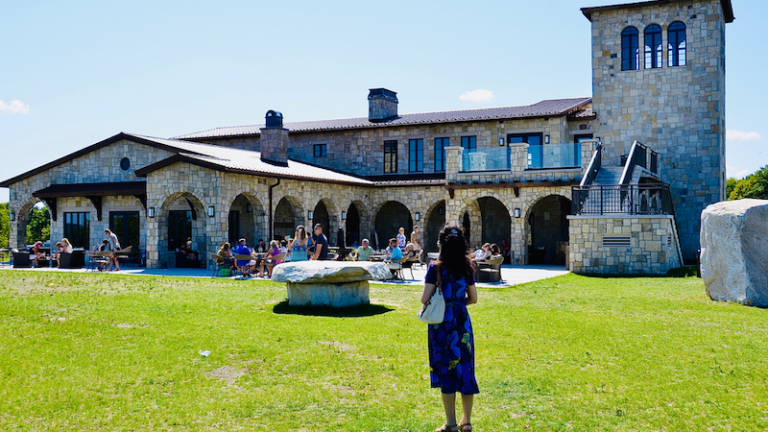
[
  {"x": 554, "y": 156},
  {"x": 548, "y": 156},
  {"x": 491, "y": 159}
]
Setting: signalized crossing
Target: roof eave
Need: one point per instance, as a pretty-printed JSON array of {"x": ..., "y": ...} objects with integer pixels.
[{"x": 588, "y": 11}]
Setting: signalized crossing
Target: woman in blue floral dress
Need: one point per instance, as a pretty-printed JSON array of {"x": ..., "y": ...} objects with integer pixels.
[{"x": 451, "y": 343}]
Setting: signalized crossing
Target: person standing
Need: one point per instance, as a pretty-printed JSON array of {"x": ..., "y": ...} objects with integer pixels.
[
  {"x": 114, "y": 246},
  {"x": 321, "y": 243},
  {"x": 451, "y": 343},
  {"x": 299, "y": 245},
  {"x": 416, "y": 245},
  {"x": 401, "y": 238}
]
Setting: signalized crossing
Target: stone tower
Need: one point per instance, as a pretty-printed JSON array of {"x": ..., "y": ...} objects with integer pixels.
[{"x": 658, "y": 77}]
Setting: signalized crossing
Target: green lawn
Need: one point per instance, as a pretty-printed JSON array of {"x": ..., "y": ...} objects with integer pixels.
[{"x": 106, "y": 352}]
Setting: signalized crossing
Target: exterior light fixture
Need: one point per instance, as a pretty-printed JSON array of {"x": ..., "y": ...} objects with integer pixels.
[
  {"x": 210, "y": 211},
  {"x": 12, "y": 216},
  {"x": 310, "y": 215},
  {"x": 263, "y": 216},
  {"x": 517, "y": 213},
  {"x": 151, "y": 212},
  {"x": 249, "y": 208},
  {"x": 546, "y": 139},
  {"x": 343, "y": 215},
  {"x": 501, "y": 141},
  {"x": 441, "y": 211},
  {"x": 418, "y": 216}
]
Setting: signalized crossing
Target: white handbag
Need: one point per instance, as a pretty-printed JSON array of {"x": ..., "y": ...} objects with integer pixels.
[{"x": 434, "y": 311}]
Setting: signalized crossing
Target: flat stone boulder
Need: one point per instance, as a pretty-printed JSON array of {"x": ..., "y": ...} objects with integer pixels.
[
  {"x": 329, "y": 283},
  {"x": 734, "y": 251}
]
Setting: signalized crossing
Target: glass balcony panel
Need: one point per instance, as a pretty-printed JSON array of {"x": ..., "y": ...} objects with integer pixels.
[
  {"x": 485, "y": 159},
  {"x": 554, "y": 156}
]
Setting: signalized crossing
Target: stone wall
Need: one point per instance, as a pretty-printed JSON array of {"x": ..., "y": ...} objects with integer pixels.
[
  {"x": 677, "y": 111},
  {"x": 653, "y": 245}
]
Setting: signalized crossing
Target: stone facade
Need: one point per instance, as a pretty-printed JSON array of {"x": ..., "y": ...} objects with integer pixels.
[
  {"x": 677, "y": 111},
  {"x": 623, "y": 245}
]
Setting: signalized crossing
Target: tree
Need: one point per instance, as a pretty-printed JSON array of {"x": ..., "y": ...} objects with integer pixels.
[
  {"x": 730, "y": 185},
  {"x": 752, "y": 186},
  {"x": 5, "y": 225},
  {"x": 38, "y": 225}
]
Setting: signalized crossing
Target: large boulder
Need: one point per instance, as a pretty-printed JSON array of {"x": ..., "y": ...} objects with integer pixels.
[
  {"x": 734, "y": 251},
  {"x": 310, "y": 272}
]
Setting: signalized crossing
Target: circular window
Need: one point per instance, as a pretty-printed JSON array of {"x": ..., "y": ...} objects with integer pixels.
[{"x": 125, "y": 164}]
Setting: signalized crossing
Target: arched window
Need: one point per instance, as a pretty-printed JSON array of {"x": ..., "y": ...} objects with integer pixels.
[
  {"x": 630, "y": 52},
  {"x": 653, "y": 47},
  {"x": 676, "y": 38}
]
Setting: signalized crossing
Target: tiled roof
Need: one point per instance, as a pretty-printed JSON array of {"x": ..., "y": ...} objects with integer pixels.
[
  {"x": 245, "y": 162},
  {"x": 546, "y": 108},
  {"x": 583, "y": 114}
]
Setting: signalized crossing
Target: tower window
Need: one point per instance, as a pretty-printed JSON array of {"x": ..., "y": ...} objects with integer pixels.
[
  {"x": 320, "y": 150},
  {"x": 630, "y": 52},
  {"x": 676, "y": 46},
  {"x": 390, "y": 156},
  {"x": 416, "y": 155},
  {"x": 653, "y": 47}
]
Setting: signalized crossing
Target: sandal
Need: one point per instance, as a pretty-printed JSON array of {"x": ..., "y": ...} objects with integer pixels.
[
  {"x": 467, "y": 427},
  {"x": 448, "y": 428}
]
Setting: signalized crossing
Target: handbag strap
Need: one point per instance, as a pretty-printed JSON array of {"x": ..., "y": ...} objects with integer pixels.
[{"x": 439, "y": 274}]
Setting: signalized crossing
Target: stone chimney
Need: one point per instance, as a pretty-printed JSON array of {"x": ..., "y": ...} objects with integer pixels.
[
  {"x": 274, "y": 140},
  {"x": 382, "y": 104}
]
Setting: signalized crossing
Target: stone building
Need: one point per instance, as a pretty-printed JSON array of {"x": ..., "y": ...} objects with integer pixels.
[{"x": 612, "y": 183}]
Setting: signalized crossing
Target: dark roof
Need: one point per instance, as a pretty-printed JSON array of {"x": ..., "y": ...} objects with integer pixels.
[
  {"x": 586, "y": 114},
  {"x": 546, "y": 108},
  {"x": 92, "y": 189},
  {"x": 588, "y": 11},
  {"x": 213, "y": 156}
]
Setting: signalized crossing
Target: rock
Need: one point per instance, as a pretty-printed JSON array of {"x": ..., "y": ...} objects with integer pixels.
[
  {"x": 329, "y": 283},
  {"x": 734, "y": 251},
  {"x": 330, "y": 271}
]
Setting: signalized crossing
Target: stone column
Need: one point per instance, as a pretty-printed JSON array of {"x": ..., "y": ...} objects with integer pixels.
[
  {"x": 452, "y": 164},
  {"x": 518, "y": 154}
]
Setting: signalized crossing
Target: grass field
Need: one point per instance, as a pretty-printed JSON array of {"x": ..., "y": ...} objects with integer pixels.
[{"x": 106, "y": 352}]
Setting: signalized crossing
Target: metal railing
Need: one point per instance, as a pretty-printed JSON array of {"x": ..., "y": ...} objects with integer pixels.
[
  {"x": 594, "y": 166},
  {"x": 654, "y": 168},
  {"x": 487, "y": 159},
  {"x": 651, "y": 199},
  {"x": 554, "y": 156},
  {"x": 637, "y": 157}
]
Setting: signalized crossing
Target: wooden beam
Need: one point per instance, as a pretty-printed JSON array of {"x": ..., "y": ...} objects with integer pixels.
[
  {"x": 51, "y": 202},
  {"x": 96, "y": 201}
]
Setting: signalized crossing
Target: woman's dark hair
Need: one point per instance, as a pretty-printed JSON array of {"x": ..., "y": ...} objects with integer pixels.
[
  {"x": 495, "y": 249},
  {"x": 453, "y": 252}
]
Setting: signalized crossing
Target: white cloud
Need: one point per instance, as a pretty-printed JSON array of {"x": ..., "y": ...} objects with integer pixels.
[
  {"x": 735, "y": 172},
  {"x": 477, "y": 96},
  {"x": 737, "y": 135},
  {"x": 15, "y": 107}
]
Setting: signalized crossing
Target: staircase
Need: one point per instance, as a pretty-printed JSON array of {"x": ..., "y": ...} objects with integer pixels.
[{"x": 608, "y": 176}]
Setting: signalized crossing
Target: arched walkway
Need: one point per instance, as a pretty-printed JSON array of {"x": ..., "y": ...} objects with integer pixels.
[
  {"x": 495, "y": 220},
  {"x": 352, "y": 226},
  {"x": 288, "y": 215},
  {"x": 181, "y": 217},
  {"x": 547, "y": 230},
  {"x": 389, "y": 219},
  {"x": 22, "y": 222},
  {"x": 435, "y": 221},
  {"x": 247, "y": 219}
]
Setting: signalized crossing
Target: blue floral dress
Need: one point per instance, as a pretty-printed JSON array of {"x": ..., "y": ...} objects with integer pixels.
[{"x": 452, "y": 343}]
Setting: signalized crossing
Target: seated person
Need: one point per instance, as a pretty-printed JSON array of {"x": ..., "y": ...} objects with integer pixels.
[
  {"x": 224, "y": 257},
  {"x": 483, "y": 253},
  {"x": 495, "y": 250},
  {"x": 55, "y": 255},
  {"x": 363, "y": 253},
  {"x": 67, "y": 245},
  {"x": 37, "y": 253},
  {"x": 104, "y": 246},
  {"x": 284, "y": 249},
  {"x": 261, "y": 246},
  {"x": 269, "y": 262},
  {"x": 392, "y": 252},
  {"x": 410, "y": 251},
  {"x": 242, "y": 249}
]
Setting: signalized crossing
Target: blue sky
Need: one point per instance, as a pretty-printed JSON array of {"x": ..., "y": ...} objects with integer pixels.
[{"x": 75, "y": 73}]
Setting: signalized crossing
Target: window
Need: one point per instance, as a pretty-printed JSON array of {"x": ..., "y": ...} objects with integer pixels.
[
  {"x": 125, "y": 225},
  {"x": 125, "y": 164},
  {"x": 416, "y": 155},
  {"x": 390, "y": 156},
  {"x": 630, "y": 53},
  {"x": 77, "y": 229},
  {"x": 179, "y": 228},
  {"x": 320, "y": 150},
  {"x": 469, "y": 143},
  {"x": 676, "y": 46},
  {"x": 652, "y": 47},
  {"x": 440, "y": 145}
]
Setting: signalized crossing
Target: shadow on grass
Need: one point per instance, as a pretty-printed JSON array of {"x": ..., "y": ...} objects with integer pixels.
[
  {"x": 283, "y": 308},
  {"x": 680, "y": 272}
]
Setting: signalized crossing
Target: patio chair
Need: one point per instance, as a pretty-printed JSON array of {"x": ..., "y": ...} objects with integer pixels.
[
  {"x": 96, "y": 258},
  {"x": 74, "y": 260},
  {"x": 490, "y": 270},
  {"x": 217, "y": 263},
  {"x": 245, "y": 269},
  {"x": 408, "y": 264},
  {"x": 396, "y": 267},
  {"x": 21, "y": 260}
]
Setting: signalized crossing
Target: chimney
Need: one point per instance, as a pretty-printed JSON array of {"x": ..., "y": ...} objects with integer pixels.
[
  {"x": 274, "y": 140},
  {"x": 382, "y": 104}
]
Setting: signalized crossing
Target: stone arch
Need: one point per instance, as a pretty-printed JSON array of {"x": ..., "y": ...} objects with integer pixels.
[
  {"x": 434, "y": 221},
  {"x": 287, "y": 215},
  {"x": 22, "y": 219},
  {"x": 355, "y": 224},
  {"x": 546, "y": 229},
  {"x": 326, "y": 212},
  {"x": 251, "y": 225},
  {"x": 390, "y": 216},
  {"x": 496, "y": 221},
  {"x": 191, "y": 224},
  {"x": 471, "y": 212}
]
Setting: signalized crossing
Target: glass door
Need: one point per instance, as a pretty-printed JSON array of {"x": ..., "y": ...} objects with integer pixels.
[{"x": 126, "y": 226}]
